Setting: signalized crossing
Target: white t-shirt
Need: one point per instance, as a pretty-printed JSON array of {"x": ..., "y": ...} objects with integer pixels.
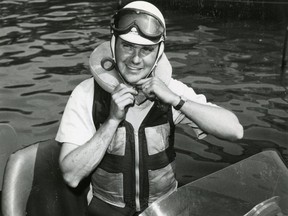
[{"x": 77, "y": 126}]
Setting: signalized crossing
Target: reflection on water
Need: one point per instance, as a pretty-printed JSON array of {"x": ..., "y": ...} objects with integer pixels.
[{"x": 44, "y": 51}]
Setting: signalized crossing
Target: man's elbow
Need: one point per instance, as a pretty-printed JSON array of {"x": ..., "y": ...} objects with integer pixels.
[
  {"x": 238, "y": 132},
  {"x": 70, "y": 180}
]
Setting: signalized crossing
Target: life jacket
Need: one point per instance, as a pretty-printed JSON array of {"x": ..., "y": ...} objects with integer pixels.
[{"x": 139, "y": 166}]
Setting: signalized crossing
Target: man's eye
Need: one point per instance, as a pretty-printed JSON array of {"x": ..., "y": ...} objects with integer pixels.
[
  {"x": 148, "y": 49},
  {"x": 127, "y": 46}
]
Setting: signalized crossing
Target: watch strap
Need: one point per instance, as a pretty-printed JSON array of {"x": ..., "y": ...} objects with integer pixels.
[{"x": 180, "y": 104}]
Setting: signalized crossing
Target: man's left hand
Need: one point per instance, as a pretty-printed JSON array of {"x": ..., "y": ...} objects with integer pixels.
[{"x": 153, "y": 88}]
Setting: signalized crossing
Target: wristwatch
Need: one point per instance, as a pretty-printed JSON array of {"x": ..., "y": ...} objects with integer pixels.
[{"x": 181, "y": 103}]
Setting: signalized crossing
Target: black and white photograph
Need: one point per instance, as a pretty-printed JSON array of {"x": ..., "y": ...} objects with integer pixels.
[{"x": 144, "y": 108}]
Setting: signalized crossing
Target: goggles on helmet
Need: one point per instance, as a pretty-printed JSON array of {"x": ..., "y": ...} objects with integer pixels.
[{"x": 147, "y": 25}]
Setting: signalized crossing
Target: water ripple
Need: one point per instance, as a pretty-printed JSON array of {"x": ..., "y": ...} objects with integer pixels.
[
  {"x": 54, "y": 19},
  {"x": 5, "y": 31},
  {"x": 22, "y": 49},
  {"x": 15, "y": 110},
  {"x": 62, "y": 35},
  {"x": 19, "y": 86},
  {"x": 45, "y": 123},
  {"x": 32, "y": 25},
  {"x": 36, "y": 92}
]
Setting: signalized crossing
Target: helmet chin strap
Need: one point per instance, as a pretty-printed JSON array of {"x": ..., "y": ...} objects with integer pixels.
[
  {"x": 159, "y": 55},
  {"x": 112, "y": 46}
]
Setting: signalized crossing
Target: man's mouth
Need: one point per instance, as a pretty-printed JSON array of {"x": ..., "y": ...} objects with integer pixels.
[{"x": 132, "y": 68}]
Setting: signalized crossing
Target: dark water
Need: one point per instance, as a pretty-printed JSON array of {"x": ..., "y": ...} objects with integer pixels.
[{"x": 44, "y": 51}]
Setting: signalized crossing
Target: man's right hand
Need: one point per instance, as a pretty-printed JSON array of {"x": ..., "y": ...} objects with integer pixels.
[{"x": 122, "y": 97}]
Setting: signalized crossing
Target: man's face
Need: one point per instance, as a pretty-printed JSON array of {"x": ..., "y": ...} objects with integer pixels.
[{"x": 134, "y": 61}]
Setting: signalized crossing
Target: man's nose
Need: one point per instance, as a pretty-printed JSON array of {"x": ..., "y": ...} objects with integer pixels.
[{"x": 136, "y": 56}]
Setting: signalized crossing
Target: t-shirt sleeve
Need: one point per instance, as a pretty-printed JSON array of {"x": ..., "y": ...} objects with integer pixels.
[
  {"x": 183, "y": 90},
  {"x": 77, "y": 125}
]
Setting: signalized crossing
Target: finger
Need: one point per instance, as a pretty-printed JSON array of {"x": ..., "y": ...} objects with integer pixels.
[
  {"x": 123, "y": 97},
  {"x": 146, "y": 87},
  {"x": 148, "y": 92},
  {"x": 124, "y": 101}
]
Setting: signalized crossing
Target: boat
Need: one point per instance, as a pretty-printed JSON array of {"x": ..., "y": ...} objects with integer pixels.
[
  {"x": 256, "y": 186},
  {"x": 33, "y": 186}
]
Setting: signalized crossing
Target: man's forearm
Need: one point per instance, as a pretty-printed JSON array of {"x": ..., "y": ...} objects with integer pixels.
[
  {"x": 214, "y": 120},
  {"x": 81, "y": 161}
]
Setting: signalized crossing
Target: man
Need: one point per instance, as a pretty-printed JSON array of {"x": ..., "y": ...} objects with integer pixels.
[{"x": 120, "y": 129}]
